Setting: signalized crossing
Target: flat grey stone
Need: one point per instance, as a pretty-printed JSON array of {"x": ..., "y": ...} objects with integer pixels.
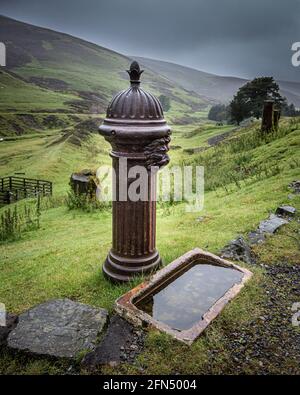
[
  {"x": 288, "y": 211},
  {"x": 238, "y": 250},
  {"x": 58, "y": 328},
  {"x": 272, "y": 224},
  {"x": 256, "y": 237}
]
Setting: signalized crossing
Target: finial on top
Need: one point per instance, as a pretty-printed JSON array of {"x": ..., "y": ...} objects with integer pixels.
[{"x": 135, "y": 72}]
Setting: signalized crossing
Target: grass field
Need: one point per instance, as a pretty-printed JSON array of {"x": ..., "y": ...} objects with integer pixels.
[{"x": 63, "y": 258}]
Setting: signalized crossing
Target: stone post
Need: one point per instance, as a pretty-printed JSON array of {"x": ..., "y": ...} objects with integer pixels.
[
  {"x": 139, "y": 136},
  {"x": 267, "y": 117},
  {"x": 277, "y": 115}
]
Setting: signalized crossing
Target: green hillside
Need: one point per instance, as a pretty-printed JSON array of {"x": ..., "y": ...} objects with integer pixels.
[
  {"x": 77, "y": 76},
  {"x": 27, "y": 97}
]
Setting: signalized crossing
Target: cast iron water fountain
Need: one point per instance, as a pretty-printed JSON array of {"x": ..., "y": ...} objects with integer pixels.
[{"x": 139, "y": 135}]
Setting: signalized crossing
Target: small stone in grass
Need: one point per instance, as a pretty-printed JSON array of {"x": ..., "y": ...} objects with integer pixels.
[{"x": 284, "y": 211}]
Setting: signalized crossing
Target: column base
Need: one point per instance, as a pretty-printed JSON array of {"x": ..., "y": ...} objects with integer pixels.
[{"x": 123, "y": 269}]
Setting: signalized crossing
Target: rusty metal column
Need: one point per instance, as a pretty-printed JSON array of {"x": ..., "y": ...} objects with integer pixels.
[
  {"x": 267, "y": 117},
  {"x": 139, "y": 135}
]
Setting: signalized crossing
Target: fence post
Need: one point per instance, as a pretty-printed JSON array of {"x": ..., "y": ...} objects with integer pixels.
[
  {"x": 30, "y": 188},
  {"x": 276, "y": 118}
]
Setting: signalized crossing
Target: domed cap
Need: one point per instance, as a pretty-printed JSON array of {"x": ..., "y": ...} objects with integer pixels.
[
  {"x": 134, "y": 103},
  {"x": 134, "y": 113}
]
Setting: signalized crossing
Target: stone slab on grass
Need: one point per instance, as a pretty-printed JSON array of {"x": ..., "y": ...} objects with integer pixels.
[
  {"x": 58, "y": 328},
  {"x": 121, "y": 343},
  {"x": 238, "y": 250},
  {"x": 272, "y": 224},
  {"x": 256, "y": 237}
]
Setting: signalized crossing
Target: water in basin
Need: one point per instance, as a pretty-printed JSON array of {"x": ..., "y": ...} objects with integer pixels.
[{"x": 182, "y": 302}]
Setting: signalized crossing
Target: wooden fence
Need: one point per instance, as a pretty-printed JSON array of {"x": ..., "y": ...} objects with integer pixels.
[{"x": 16, "y": 188}]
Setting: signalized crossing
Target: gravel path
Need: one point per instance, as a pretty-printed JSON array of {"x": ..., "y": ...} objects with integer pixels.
[{"x": 270, "y": 344}]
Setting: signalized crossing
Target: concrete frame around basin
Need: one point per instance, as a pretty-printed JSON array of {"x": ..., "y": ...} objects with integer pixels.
[{"x": 126, "y": 308}]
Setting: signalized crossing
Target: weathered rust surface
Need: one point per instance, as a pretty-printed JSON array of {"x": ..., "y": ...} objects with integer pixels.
[
  {"x": 125, "y": 305},
  {"x": 136, "y": 129}
]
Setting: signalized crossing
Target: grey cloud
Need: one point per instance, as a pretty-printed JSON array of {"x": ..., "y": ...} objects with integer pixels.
[{"x": 235, "y": 37}]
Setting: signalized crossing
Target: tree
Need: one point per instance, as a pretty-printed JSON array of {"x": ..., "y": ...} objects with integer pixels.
[
  {"x": 250, "y": 98},
  {"x": 239, "y": 109},
  {"x": 165, "y": 102},
  {"x": 218, "y": 113}
]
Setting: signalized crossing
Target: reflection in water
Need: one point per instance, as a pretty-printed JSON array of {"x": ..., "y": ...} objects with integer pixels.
[{"x": 184, "y": 301}]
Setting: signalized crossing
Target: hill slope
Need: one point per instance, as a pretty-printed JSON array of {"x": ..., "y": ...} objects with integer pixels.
[
  {"x": 17, "y": 93},
  {"x": 88, "y": 73},
  {"x": 212, "y": 86}
]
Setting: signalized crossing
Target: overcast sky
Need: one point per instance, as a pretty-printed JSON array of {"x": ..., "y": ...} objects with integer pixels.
[{"x": 244, "y": 38}]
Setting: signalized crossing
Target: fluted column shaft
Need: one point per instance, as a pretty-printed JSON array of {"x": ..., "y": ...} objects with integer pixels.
[{"x": 134, "y": 223}]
